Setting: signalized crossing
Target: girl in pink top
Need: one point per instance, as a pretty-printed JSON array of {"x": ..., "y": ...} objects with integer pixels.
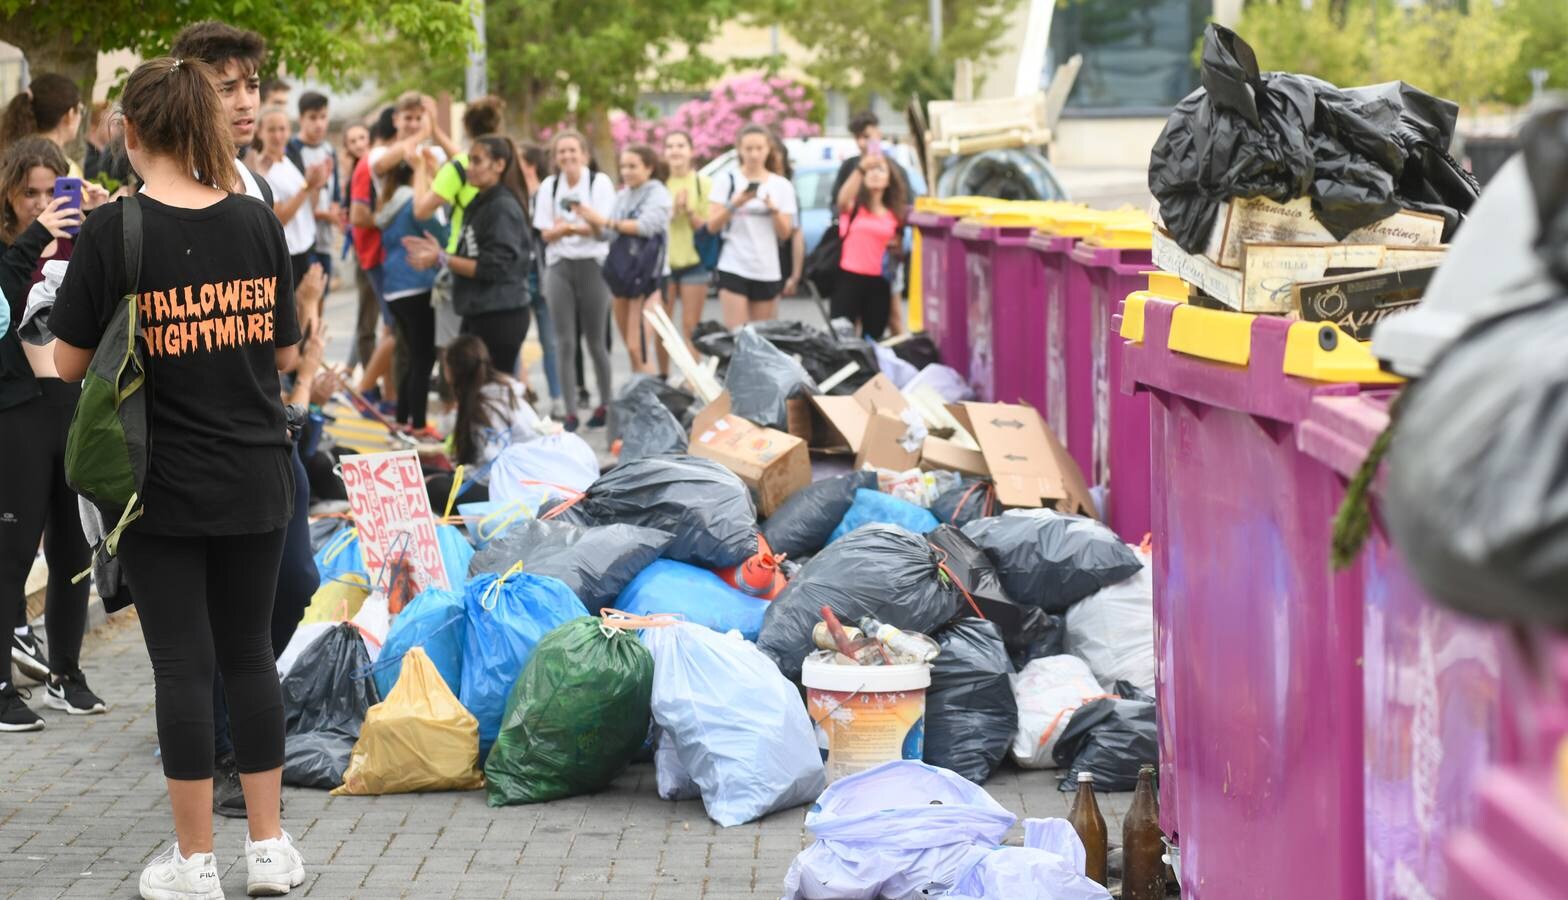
[{"x": 871, "y": 225}]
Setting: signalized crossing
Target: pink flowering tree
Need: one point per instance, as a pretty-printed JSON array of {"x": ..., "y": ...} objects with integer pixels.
[{"x": 780, "y": 103}]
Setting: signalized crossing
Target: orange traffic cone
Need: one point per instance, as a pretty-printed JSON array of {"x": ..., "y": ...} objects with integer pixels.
[{"x": 759, "y": 575}]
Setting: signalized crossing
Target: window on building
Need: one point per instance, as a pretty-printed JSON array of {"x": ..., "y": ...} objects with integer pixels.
[{"x": 1137, "y": 54}]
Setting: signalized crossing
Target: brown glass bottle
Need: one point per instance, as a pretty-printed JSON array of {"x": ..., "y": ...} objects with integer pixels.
[
  {"x": 1143, "y": 846},
  {"x": 1090, "y": 825}
]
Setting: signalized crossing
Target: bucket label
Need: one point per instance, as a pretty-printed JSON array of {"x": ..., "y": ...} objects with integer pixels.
[{"x": 858, "y": 730}]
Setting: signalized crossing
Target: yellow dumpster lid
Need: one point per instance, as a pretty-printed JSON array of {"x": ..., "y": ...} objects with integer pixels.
[
  {"x": 1020, "y": 213},
  {"x": 956, "y": 206},
  {"x": 1124, "y": 234},
  {"x": 1081, "y": 221}
]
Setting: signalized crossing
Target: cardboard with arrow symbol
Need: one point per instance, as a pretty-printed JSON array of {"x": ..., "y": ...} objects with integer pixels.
[{"x": 1030, "y": 466}]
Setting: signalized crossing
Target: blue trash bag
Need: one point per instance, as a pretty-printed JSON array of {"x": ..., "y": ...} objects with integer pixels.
[
  {"x": 907, "y": 829},
  {"x": 456, "y": 554},
  {"x": 696, "y": 595},
  {"x": 435, "y": 620},
  {"x": 341, "y": 556},
  {"x": 738, "y": 727},
  {"x": 507, "y": 615},
  {"x": 489, "y": 519},
  {"x": 875, "y": 507}
]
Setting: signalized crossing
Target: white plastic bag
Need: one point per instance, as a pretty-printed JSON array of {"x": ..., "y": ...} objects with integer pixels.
[
  {"x": 670, "y": 777},
  {"x": 1024, "y": 873},
  {"x": 896, "y": 369},
  {"x": 1113, "y": 630},
  {"x": 736, "y": 724},
  {"x": 948, "y": 384},
  {"x": 1049, "y": 690},
  {"x": 373, "y": 620},
  {"x": 304, "y": 636},
  {"x": 551, "y": 463}
]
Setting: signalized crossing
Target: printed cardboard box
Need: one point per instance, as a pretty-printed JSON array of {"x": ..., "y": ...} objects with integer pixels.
[{"x": 772, "y": 463}]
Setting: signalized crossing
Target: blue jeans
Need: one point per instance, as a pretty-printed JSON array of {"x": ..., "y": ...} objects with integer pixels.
[
  {"x": 297, "y": 583},
  {"x": 546, "y": 333}
]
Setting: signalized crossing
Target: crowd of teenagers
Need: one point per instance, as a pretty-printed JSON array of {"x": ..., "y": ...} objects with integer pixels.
[{"x": 224, "y": 212}]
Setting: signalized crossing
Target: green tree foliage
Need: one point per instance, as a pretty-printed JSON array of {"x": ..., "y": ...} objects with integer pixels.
[
  {"x": 331, "y": 39},
  {"x": 883, "y": 46},
  {"x": 1544, "y": 24}
]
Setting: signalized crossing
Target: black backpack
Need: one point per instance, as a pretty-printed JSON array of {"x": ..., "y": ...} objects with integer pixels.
[{"x": 822, "y": 266}]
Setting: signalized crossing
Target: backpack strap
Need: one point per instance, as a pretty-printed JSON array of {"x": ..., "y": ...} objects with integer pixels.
[
  {"x": 462, "y": 173},
  {"x": 131, "y": 239},
  {"x": 266, "y": 190},
  {"x": 295, "y": 151}
]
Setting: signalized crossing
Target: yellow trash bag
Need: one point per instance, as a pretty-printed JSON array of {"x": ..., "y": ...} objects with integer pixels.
[
  {"x": 418, "y": 739},
  {"x": 337, "y": 600}
]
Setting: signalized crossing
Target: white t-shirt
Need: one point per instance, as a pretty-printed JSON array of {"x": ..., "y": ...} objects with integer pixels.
[
  {"x": 311, "y": 156},
  {"x": 287, "y": 181},
  {"x": 751, "y": 245},
  {"x": 248, "y": 179},
  {"x": 548, "y": 212}
]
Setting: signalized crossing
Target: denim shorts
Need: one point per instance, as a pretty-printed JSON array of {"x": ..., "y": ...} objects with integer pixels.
[{"x": 691, "y": 275}]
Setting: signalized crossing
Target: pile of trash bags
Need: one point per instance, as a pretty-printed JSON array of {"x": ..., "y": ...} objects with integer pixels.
[
  {"x": 1361, "y": 154},
  {"x": 821, "y": 353}
]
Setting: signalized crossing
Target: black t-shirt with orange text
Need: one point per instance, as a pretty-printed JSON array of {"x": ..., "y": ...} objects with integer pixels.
[{"x": 216, "y": 300}]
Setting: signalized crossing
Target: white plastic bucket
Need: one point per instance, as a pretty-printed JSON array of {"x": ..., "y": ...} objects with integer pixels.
[{"x": 865, "y": 715}]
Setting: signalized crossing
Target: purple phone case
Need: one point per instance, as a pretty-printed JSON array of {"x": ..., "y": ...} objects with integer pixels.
[{"x": 71, "y": 187}]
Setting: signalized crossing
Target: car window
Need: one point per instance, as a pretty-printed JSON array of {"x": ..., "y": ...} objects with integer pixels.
[{"x": 814, "y": 188}]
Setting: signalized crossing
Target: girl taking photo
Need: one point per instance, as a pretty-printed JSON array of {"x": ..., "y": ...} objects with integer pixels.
[
  {"x": 490, "y": 267},
  {"x": 755, "y": 209},
  {"x": 872, "y": 226},
  {"x": 642, "y": 209},
  {"x": 202, "y": 561},
  {"x": 574, "y": 254},
  {"x": 689, "y": 191}
]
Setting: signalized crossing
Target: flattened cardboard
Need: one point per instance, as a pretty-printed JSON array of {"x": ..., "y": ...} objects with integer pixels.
[
  {"x": 880, "y": 446},
  {"x": 1030, "y": 466},
  {"x": 798, "y": 418},
  {"x": 772, "y": 463},
  {"x": 1259, "y": 220},
  {"x": 844, "y": 419}
]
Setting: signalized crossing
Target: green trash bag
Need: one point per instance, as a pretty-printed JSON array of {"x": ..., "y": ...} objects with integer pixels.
[{"x": 575, "y": 717}]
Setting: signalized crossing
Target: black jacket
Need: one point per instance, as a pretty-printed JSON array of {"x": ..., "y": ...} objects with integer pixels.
[
  {"x": 17, "y": 262},
  {"x": 495, "y": 233}
]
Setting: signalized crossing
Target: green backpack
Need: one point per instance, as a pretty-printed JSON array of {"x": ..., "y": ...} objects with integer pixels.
[{"x": 106, "y": 448}]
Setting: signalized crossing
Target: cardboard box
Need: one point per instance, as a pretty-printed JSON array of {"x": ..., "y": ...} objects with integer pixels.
[
  {"x": 841, "y": 422},
  {"x": 772, "y": 463},
  {"x": 1030, "y": 466},
  {"x": 1269, "y": 271},
  {"x": 1259, "y": 220},
  {"x": 1357, "y": 302}
]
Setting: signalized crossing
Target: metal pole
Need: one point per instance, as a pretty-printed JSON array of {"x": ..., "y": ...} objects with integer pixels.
[
  {"x": 936, "y": 26},
  {"x": 476, "y": 80}
]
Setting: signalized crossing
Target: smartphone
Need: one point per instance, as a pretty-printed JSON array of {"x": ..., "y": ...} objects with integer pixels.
[
  {"x": 753, "y": 187},
  {"x": 874, "y": 147},
  {"x": 569, "y": 204},
  {"x": 69, "y": 187}
]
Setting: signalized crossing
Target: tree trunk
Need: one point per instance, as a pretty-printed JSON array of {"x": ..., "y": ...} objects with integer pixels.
[
  {"x": 49, "y": 47},
  {"x": 604, "y": 151}
]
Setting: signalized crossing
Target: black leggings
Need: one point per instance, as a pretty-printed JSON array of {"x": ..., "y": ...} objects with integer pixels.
[
  {"x": 866, "y": 299},
  {"x": 35, "y": 502},
  {"x": 417, "y": 319},
  {"x": 205, "y": 604},
  {"x": 503, "y": 333}
]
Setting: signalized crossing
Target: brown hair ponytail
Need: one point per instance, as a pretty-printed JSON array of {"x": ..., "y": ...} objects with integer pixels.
[
  {"x": 174, "y": 109},
  {"x": 39, "y": 108}
]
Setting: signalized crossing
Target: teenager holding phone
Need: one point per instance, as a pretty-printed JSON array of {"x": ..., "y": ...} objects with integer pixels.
[
  {"x": 202, "y": 561},
  {"x": 870, "y": 225},
  {"x": 755, "y": 210}
]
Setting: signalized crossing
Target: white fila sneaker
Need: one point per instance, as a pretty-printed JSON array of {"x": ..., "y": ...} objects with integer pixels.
[
  {"x": 273, "y": 867},
  {"x": 171, "y": 876}
]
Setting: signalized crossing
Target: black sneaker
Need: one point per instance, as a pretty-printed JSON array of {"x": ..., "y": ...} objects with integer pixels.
[
  {"x": 599, "y": 417},
  {"x": 228, "y": 798},
  {"x": 70, "y": 693},
  {"x": 27, "y": 654},
  {"x": 14, "y": 713}
]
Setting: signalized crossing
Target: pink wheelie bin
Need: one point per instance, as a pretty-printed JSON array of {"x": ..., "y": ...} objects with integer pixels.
[{"x": 943, "y": 278}]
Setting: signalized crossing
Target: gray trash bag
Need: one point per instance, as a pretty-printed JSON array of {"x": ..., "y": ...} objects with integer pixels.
[
  {"x": 1110, "y": 738},
  {"x": 803, "y": 524},
  {"x": 879, "y": 570},
  {"x": 1052, "y": 560},
  {"x": 1021, "y": 626},
  {"x": 325, "y": 697},
  {"x": 1477, "y": 495},
  {"x": 597, "y": 562},
  {"x": 761, "y": 379},
  {"x": 971, "y": 499},
  {"x": 704, "y": 505},
  {"x": 644, "y": 416},
  {"x": 971, "y": 713}
]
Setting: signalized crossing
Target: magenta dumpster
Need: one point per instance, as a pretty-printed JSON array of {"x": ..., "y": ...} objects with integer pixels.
[
  {"x": 1119, "y": 449},
  {"x": 1280, "y": 777},
  {"x": 1006, "y": 316},
  {"x": 943, "y": 279},
  {"x": 1052, "y": 250}
]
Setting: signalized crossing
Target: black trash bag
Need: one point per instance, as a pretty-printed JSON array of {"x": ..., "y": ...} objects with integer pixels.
[
  {"x": 1360, "y": 154},
  {"x": 1110, "y": 738},
  {"x": 629, "y": 411},
  {"x": 878, "y": 570},
  {"x": 704, "y": 505},
  {"x": 596, "y": 563},
  {"x": 1052, "y": 640},
  {"x": 1478, "y": 503},
  {"x": 1020, "y": 626},
  {"x": 762, "y": 378},
  {"x": 919, "y": 350},
  {"x": 322, "y": 530},
  {"x": 971, "y": 712},
  {"x": 973, "y": 498},
  {"x": 1052, "y": 560},
  {"x": 713, "y": 339},
  {"x": 564, "y": 511},
  {"x": 823, "y": 353},
  {"x": 325, "y": 698},
  {"x": 647, "y": 425},
  {"x": 802, "y": 525}
]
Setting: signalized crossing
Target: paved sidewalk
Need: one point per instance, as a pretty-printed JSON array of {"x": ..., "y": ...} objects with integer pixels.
[{"x": 82, "y": 808}]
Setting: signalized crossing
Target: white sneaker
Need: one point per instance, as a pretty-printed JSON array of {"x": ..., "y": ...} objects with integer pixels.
[
  {"x": 272, "y": 867},
  {"x": 171, "y": 876}
]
